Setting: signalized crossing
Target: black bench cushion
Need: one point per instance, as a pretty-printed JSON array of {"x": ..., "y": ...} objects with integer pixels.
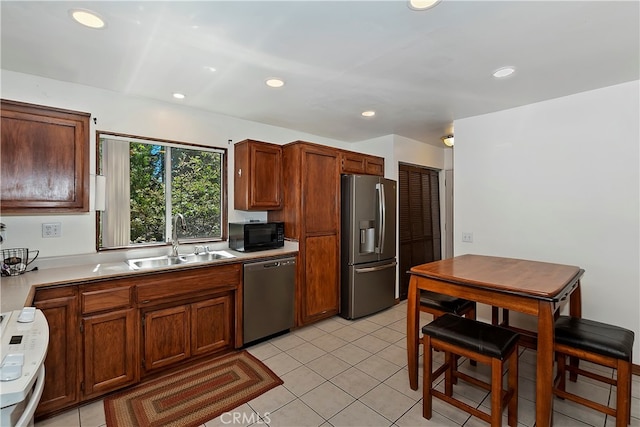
[
  {"x": 594, "y": 337},
  {"x": 445, "y": 303},
  {"x": 483, "y": 338}
]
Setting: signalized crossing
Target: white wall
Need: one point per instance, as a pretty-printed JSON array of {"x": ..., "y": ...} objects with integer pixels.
[
  {"x": 559, "y": 181},
  {"x": 120, "y": 113}
]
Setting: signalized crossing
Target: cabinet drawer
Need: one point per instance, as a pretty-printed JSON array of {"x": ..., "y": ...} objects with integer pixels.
[
  {"x": 95, "y": 298},
  {"x": 55, "y": 293},
  {"x": 188, "y": 283}
]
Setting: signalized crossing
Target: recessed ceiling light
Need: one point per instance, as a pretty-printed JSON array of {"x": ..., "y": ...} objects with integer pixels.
[
  {"x": 274, "y": 82},
  {"x": 422, "y": 4},
  {"x": 87, "y": 18},
  {"x": 212, "y": 69},
  {"x": 503, "y": 72},
  {"x": 368, "y": 113},
  {"x": 178, "y": 95}
]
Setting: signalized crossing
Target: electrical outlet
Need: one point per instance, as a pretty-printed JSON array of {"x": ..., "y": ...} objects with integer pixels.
[
  {"x": 467, "y": 237},
  {"x": 51, "y": 229}
]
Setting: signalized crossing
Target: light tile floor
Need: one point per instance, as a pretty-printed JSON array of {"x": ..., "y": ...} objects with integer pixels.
[{"x": 354, "y": 373}]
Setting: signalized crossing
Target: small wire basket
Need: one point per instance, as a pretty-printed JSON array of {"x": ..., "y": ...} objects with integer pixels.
[{"x": 15, "y": 261}]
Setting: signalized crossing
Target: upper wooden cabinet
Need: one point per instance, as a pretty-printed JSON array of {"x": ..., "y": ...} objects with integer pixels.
[
  {"x": 361, "y": 164},
  {"x": 44, "y": 159},
  {"x": 258, "y": 176}
]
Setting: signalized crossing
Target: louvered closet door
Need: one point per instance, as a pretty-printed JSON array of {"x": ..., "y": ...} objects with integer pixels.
[{"x": 419, "y": 223}]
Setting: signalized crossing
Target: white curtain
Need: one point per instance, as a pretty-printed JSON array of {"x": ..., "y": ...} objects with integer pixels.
[{"x": 116, "y": 223}]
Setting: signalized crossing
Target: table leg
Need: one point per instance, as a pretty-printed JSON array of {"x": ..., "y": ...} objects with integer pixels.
[
  {"x": 544, "y": 372},
  {"x": 412, "y": 333}
]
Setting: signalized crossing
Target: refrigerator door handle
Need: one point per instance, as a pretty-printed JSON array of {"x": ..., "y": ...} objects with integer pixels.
[
  {"x": 378, "y": 268},
  {"x": 381, "y": 217}
]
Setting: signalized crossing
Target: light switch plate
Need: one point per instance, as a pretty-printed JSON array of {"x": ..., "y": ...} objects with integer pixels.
[{"x": 51, "y": 229}]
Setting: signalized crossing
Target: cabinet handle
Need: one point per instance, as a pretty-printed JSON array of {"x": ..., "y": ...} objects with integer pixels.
[
  {"x": 239, "y": 172},
  {"x": 146, "y": 301}
]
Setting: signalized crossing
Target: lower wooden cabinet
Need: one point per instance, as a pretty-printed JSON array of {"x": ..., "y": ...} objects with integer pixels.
[
  {"x": 174, "y": 334},
  {"x": 321, "y": 292},
  {"x": 109, "y": 352},
  {"x": 211, "y": 325},
  {"x": 107, "y": 335},
  {"x": 61, "y": 386},
  {"x": 166, "y": 337}
]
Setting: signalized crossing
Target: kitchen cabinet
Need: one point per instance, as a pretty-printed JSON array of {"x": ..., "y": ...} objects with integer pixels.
[
  {"x": 114, "y": 333},
  {"x": 311, "y": 214},
  {"x": 166, "y": 337},
  {"x": 174, "y": 334},
  {"x": 109, "y": 348},
  {"x": 190, "y": 320},
  {"x": 61, "y": 386},
  {"x": 257, "y": 176},
  {"x": 44, "y": 159},
  {"x": 211, "y": 325},
  {"x": 361, "y": 164}
]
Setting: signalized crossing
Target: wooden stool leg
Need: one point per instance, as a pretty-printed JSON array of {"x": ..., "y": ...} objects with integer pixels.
[
  {"x": 623, "y": 403},
  {"x": 451, "y": 361},
  {"x": 471, "y": 314},
  {"x": 561, "y": 375},
  {"x": 512, "y": 384},
  {"x": 495, "y": 315},
  {"x": 427, "y": 380},
  {"x": 496, "y": 393}
]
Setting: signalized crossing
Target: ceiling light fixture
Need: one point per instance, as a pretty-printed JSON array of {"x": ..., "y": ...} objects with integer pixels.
[
  {"x": 447, "y": 140},
  {"x": 274, "y": 82},
  {"x": 178, "y": 95},
  {"x": 503, "y": 72},
  {"x": 422, "y": 4},
  {"x": 368, "y": 113},
  {"x": 87, "y": 18}
]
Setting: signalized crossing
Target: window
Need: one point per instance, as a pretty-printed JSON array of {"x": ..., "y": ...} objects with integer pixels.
[{"x": 149, "y": 182}]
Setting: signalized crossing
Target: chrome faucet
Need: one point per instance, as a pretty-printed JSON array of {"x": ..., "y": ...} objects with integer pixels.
[{"x": 174, "y": 233}]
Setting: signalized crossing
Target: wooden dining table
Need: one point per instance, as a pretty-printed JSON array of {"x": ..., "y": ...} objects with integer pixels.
[{"x": 536, "y": 288}]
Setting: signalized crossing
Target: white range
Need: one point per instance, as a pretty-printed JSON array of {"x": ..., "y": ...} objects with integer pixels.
[{"x": 23, "y": 348}]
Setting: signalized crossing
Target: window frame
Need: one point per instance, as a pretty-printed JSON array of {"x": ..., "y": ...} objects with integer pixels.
[{"x": 187, "y": 145}]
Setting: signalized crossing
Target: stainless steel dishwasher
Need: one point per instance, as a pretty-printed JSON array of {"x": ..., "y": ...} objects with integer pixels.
[{"x": 268, "y": 297}]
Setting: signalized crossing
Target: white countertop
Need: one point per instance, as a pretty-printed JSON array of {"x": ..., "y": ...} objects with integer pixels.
[{"x": 18, "y": 291}]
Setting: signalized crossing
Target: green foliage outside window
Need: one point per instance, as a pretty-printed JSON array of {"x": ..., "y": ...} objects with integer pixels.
[{"x": 185, "y": 179}]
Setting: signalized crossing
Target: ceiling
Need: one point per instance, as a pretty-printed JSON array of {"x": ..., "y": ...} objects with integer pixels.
[{"x": 419, "y": 70}]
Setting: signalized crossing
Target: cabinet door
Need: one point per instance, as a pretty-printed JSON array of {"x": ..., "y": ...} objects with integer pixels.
[
  {"x": 61, "y": 386},
  {"x": 109, "y": 352},
  {"x": 44, "y": 159},
  {"x": 320, "y": 285},
  {"x": 353, "y": 163},
  {"x": 361, "y": 164},
  {"x": 166, "y": 336},
  {"x": 374, "y": 166},
  {"x": 320, "y": 191},
  {"x": 258, "y": 176},
  {"x": 211, "y": 325}
]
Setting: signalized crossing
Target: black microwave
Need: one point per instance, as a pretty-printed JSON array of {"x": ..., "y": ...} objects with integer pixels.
[{"x": 256, "y": 235}]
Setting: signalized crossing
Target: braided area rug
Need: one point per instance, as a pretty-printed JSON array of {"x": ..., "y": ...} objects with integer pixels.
[{"x": 192, "y": 396}]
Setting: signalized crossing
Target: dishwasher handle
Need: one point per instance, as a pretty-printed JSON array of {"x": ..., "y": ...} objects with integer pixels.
[{"x": 262, "y": 265}]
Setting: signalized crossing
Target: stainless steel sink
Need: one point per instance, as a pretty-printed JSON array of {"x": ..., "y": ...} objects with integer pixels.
[
  {"x": 161, "y": 261},
  {"x": 165, "y": 261},
  {"x": 208, "y": 256}
]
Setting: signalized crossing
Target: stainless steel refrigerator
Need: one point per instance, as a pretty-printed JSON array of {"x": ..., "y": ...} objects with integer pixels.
[{"x": 368, "y": 245}]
